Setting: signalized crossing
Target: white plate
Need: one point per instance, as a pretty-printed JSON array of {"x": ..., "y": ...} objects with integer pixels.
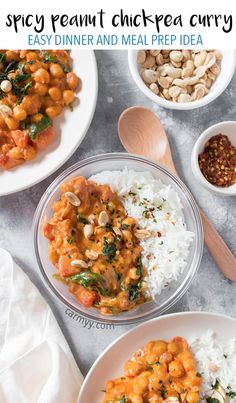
[
  {"x": 71, "y": 128},
  {"x": 111, "y": 363}
]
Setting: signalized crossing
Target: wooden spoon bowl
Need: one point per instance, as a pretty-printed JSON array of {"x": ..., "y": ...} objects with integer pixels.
[{"x": 141, "y": 132}]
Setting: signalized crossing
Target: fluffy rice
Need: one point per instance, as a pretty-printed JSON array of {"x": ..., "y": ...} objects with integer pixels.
[
  {"x": 216, "y": 361},
  {"x": 157, "y": 208}
]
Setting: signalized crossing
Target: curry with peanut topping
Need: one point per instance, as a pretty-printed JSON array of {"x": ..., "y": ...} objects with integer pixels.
[
  {"x": 95, "y": 247},
  {"x": 160, "y": 372},
  {"x": 35, "y": 86}
]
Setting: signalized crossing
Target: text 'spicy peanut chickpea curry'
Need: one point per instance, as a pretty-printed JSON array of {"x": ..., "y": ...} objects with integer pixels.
[
  {"x": 159, "y": 372},
  {"x": 95, "y": 247},
  {"x": 35, "y": 86}
]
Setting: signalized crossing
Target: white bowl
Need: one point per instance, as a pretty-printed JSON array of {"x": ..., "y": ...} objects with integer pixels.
[
  {"x": 228, "y": 128},
  {"x": 228, "y": 64},
  {"x": 111, "y": 362},
  {"x": 71, "y": 128}
]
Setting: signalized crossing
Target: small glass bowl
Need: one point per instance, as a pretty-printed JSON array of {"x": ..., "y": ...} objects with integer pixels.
[{"x": 117, "y": 161}]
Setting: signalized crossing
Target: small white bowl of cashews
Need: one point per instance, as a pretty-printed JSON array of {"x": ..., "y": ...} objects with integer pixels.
[{"x": 182, "y": 79}]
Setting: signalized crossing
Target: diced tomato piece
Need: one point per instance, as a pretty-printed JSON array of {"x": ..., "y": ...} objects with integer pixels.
[
  {"x": 20, "y": 137},
  {"x": 86, "y": 297},
  {"x": 47, "y": 231},
  {"x": 8, "y": 163},
  {"x": 44, "y": 138},
  {"x": 65, "y": 268}
]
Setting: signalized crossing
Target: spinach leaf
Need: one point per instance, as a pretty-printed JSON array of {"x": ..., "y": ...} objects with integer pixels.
[
  {"x": 212, "y": 400},
  {"x": 11, "y": 67},
  {"x": 133, "y": 292},
  {"x": 139, "y": 267},
  {"x": 109, "y": 250},
  {"x": 20, "y": 77},
  {"x": 47, "y": 58},
  {"x": 89, "y": 279},
  {"x": 2, "y": 58},
  {"x": 36, "y": 128}
]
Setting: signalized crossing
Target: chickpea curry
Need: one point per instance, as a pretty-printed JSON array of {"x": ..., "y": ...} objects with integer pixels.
[
  {"x": 160, "y": 372},
  {"x": 35, "y": 86},
  {"x": 94, "y": 247}
]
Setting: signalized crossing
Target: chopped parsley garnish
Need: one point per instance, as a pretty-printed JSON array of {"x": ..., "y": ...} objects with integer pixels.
[
  {"x": 70, "y": 240},
  {"x": 82, "y": 219},
  {"x": 132, "y": 193},
  {"x": 225, "y": 356},
  {"x": 124, "y": 226},
  {"x": 230, "y": 392},
  {"x": 198, "y": 374},
  {"x": 163, "y": 393},
  {"x": 109, "y": 250}
]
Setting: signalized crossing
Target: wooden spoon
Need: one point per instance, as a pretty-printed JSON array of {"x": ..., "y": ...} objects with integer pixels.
[{"x": 141, "y": 132}]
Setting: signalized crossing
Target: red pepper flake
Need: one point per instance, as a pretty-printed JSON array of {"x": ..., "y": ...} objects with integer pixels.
[
  {"x": 158, "y": 234},
  {"x": 218, "y": 161}
]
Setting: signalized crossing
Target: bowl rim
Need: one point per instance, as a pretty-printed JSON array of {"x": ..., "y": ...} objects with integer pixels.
[
  {"x": 211, "y": 96},
  {"x": 181, "y": 290},
  {"x": 195, "y": 165}
]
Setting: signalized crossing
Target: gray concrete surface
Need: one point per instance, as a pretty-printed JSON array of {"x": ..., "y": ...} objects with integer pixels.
[{"x": 117, "y": 91}]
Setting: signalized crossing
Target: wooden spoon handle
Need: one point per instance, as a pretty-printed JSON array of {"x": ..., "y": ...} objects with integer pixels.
[{"x": 220, "y": 252}]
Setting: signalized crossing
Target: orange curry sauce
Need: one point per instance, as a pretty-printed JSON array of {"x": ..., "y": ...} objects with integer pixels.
[
  {"x": 93, "y": 246},
  {"x": 158, "y": 372}
]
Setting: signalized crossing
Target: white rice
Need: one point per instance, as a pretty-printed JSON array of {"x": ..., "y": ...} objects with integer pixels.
[
  {"x": 165, "y": 252},
  {"x": 216, "y": 361}
]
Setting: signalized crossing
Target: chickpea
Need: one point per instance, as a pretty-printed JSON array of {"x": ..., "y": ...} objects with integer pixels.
[
  {"x": 31, "y": 56},
  {"x": 35, "y": 66},
  {"x": 53, "y": 111},
  {"x": 68, "y": 96},
  {"x": 173, "y": 347},
  {"x": 16, "y": 153},
  {"x": 56, "y": 70},
  {"x": 55, "y": 93},
  {"x": 133, "y": 274},
  {"x": 19, "y": 113},
  {"x": 72, "y": 80},
  {"x": 11, "y": 55},
  {"x": 12, "y": 123},
  {"x": 189, "y": 364},
  {"x": 192, "y": 397},
  {"x": 158, "y": 347},
  {"x": 176, "y": 369},
  {"x": 29, "y": 153},
  {"x": 127, "y": 235},
  {"x": 166, "y": 357},
  {"x": 41, "y": 89},
  {"x": 56, "y": 82},
  {"x": 37, "y": 117},
  {"x": 193, "y": 379},
  {"x": 135, "y": 398},
  {"x": 2, "y": 122},
  {"x": 42, "y": 76}
]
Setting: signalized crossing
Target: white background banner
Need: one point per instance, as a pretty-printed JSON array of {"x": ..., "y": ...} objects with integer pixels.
[{"x": 98, "y": 25}]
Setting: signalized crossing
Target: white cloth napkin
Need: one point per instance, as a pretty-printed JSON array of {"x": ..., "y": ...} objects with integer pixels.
[{"x": 36, "y": 364}]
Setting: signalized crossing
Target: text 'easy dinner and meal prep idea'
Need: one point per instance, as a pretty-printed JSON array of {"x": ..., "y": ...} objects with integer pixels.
[
  {"x": 35, "y": 87},
  {"x": 117, "y": 239}
]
